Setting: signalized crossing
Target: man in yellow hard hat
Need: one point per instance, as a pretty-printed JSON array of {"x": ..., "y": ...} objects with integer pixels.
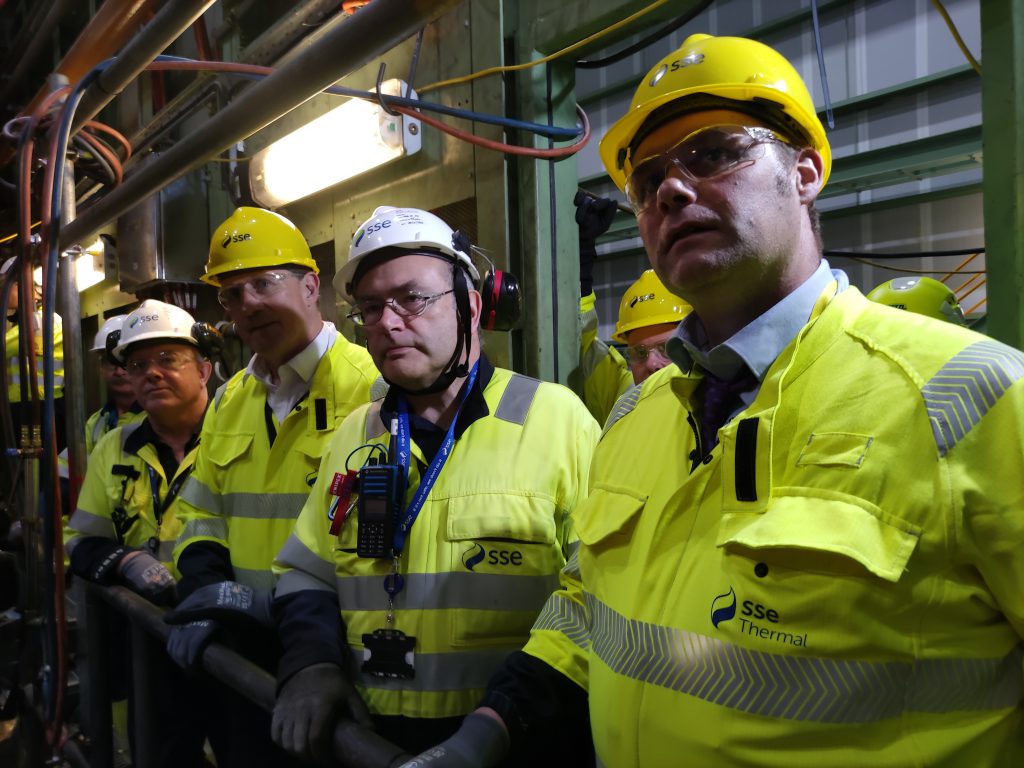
[
  {"x": 921, "y": 295},
  {"x": 648, "y": 317},
  {"x": 261, "y": 445},
  {"x": 804, "y": 542}
]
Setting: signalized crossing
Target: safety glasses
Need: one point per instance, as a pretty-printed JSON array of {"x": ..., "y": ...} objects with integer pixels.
[
  {"x": 264, "y": 285},
  {"x": 408, "y": 305},
  {"x": 164, "y": 361},
  {"x": 707, "y": 153},
  {"x": 638, "y": 353}
]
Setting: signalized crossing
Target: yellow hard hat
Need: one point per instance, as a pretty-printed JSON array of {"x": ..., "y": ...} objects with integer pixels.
[
  {"x": 254, "y": 238},
  {"x": 648, "y": 302},
  {"x": 733, "y": 68},
  {"x": 923, "y": 295}
]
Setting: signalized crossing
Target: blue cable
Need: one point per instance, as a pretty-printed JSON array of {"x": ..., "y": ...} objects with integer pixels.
[{"x": 549, "y": 131}]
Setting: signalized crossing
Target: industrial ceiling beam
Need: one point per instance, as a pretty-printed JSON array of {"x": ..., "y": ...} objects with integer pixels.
[{"x": 376, "y": 28}]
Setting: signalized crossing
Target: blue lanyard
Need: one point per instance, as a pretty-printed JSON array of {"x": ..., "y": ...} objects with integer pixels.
[
  {"x": 172, "y": 491},
  {"x": 430, "y": 476}
]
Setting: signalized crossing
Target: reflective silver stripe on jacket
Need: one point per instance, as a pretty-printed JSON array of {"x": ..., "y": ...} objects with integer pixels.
[
  {"x": 455, "y": 671},
  {"x": 257, "y": 579},
  {"x": 89, "y": 524},
  {"x": 516, "y": 399},
  {"x": 126, "y": 432},
  {"x": 309, "y": 570},
  {"x": 200, "y": 496},
  {"x": 804, "y": 688},
  {"x": 263, "y": 506},
  {"x": 452, "y": 591},
  {"x": 572, "y": 565},
  {"x": 204, "y": 528},
  {"x": 560, "y": 614},
  {"x": 967, "y": 386},
  {"x": 626, "y": 403}
]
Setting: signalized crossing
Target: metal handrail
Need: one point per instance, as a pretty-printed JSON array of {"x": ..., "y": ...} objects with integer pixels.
[{"x": 354, "y": 746}]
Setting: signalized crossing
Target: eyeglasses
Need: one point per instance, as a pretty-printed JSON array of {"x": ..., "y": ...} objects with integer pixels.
[
  {"x": 166, "y": 362},
  {"x": 263, "y": 286},
  {"x": 410, "y": 305},
  {"x": 638, "y": 353},
  {"x": 705, "y": 154}
]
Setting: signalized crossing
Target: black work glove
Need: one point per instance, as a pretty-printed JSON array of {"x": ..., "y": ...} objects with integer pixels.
[
  {"x": 480, "y": 742},
  {"x": 187, "y": 642},
  {"x": 308, "y": 707},
  {"x": 593, "y": 217},
  {"x": 145, "y": 575},
  {"x": 226, "y": 601}
]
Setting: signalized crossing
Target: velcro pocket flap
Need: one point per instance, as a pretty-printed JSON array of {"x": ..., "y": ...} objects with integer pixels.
[
  {"x": 880, "y": 543},
  {"x": 502, "y": 516},
  {"x": 607, "y": 512},
  {"x": 834, "y": 449},
  {"x": 224, "y": 449}
]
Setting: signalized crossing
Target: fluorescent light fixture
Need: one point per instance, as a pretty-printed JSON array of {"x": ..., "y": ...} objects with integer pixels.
[
  {"x": 88, "y": 266},
  {"x": 345, "y": 142}
]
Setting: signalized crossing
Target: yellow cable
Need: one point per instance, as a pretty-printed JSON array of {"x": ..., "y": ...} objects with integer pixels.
[
  {"x": 956, "y": 36},
  {"x": 550, "y": 57},
  {"x": 11, "y": 237},
  {"x": 909, "y": 270}
]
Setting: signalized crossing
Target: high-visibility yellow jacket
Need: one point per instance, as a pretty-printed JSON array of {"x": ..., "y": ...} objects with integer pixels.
[
  {"x": 604, "y": 372},
  {"x": 482, "y": 556},
  {"x": 246, "y": 493},
  {"x": 14, "y": 366},
  {"x": 839, "y": 583},
  {"x": 99, "y": 423},
  {"x": 116, "y": 500}
]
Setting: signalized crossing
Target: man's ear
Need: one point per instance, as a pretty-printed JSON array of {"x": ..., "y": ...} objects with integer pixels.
[
  {"x": 311, "y": 287},
  {"x": 205, "y": 370},
  {"x": 810, "y": 175}
]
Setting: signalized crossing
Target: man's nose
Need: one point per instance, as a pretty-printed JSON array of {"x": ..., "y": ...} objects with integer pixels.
[{"x": 676, "y": 189}]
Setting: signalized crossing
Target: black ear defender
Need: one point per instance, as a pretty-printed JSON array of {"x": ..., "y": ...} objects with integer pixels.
[
  {"x": 502, "y": 299},
  {"x": 211, "y": 344},
  {"x": 208, "y": 339},
  {"x": 111, "y": 344}
]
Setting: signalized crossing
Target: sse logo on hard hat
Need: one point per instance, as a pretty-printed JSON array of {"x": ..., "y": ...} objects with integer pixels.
[
  {"x": 370, "y": 230},
  {"x": 143, "y": 319},
  {"x": 235, "y": 237},
  {"x": 675, "y": 66}
]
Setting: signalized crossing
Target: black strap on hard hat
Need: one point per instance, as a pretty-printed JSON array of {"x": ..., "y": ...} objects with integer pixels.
[{"x": 457, "y": 366}]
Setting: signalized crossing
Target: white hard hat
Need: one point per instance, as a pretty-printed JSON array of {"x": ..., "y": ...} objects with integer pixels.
[
  {"x": 111, "y": 324},
  {"x": 155, "y": 321},
  {"x": 410, "y": 228},
  {"x": 36, "y": 273}
]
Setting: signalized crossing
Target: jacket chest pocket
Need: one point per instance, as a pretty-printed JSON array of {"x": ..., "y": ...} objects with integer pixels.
[
  {"x": 226, "y": 449},
  {"x": 504, "y": 554},
  {"x": 815, "y": 534}
]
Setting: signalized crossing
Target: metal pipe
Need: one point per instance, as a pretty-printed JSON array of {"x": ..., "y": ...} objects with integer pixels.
[
  {"x": 97, "y": 680},
  {"x": 377, "y": 28},
  {"x": 147, "y": 656},
  {"x": 114, "y": 22},
  {"x": 355, "y": 746},
  {"x": 173, "y": 19},
  {"x": 70, "y": 305},
  {"x": 263, "y": 50}
]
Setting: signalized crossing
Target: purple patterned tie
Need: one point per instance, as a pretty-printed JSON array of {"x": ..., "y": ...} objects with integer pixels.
[{"x": 721, "y": 399}]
